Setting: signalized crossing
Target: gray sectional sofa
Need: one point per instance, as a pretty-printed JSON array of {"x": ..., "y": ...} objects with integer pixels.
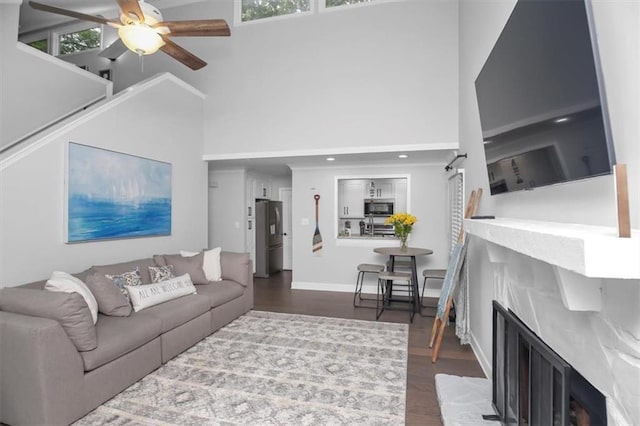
[{"x": 46, "y": 380}]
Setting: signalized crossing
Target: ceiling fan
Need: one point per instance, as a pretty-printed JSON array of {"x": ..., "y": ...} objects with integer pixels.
[{"x": 142, "y": 30}]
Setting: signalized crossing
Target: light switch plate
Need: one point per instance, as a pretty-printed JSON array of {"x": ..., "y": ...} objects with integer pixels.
[{"x": 304, "y": 221}]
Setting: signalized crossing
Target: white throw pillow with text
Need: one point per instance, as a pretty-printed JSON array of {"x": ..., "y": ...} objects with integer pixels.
[{"x": 144, "y": 296}]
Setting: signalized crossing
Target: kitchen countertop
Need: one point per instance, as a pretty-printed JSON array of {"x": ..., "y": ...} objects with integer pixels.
[{"x": 369, "y": 237}]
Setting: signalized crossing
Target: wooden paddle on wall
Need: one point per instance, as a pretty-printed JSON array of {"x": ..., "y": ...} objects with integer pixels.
[{"x": 317, "y": 238}]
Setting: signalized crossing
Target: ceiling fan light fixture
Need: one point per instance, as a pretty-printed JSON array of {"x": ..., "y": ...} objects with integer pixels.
[
  {"x": 140, "y": 38},
  {"x": 142, "y": 30}
]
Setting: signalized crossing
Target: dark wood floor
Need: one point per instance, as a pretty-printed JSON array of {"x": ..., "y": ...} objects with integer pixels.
[{"x": 275, "y": 294}]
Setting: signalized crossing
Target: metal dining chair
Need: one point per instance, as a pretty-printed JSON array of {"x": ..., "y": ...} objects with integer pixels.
[
  {"x": 364, "y": 268},
  {"x": 384, "y": 300}
]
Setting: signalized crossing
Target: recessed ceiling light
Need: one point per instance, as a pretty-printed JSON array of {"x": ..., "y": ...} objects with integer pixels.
[
  {"x": 331, "y": 159},
  {"x": 561, "y": 120},
  {"x": 403, "y": 156}
]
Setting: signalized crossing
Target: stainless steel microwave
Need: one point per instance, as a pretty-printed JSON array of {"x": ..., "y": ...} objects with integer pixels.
[{"x": 378, "y": 208}]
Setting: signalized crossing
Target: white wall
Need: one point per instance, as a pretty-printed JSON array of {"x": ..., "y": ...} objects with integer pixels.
[
  {"x": 589, "y": 202},
  {"x": 37, "y": 89},
  {"x": 335, "y": 269},
  {"x": 377, "y": 75},
  {"x": 227, "y": 210},
  {"x": 277, "y": 183},
  {"x": 32, "y": 187}
]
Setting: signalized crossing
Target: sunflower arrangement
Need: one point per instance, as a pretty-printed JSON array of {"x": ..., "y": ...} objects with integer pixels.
[{"x": 402, "y": 225}]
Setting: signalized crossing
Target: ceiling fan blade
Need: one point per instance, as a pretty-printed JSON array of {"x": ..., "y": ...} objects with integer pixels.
[
  {"x": 198, "y": 28},
  {"x": 114, "y": 50},
  {"x": 72, "y": 14},
  {"x": 180, "y": 54},
  {"x": 129, "y": 7}
]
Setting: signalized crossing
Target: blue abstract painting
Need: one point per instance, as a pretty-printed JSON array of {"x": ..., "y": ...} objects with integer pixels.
[{"x": 113, "y": 195}]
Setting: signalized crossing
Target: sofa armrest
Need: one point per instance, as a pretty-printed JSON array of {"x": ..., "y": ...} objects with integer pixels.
[
  {"x": 41, "y": 372},
  {"x": 236, "y": 267}
]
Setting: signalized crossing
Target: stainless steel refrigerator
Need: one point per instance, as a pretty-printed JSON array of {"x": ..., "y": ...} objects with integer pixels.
[{"x": 268, "y": 237}]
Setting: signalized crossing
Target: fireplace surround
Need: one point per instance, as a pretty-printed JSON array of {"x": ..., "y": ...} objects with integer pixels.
[
  {"x": 576, "y": 286},
  {"x": 533, "y": 385}
]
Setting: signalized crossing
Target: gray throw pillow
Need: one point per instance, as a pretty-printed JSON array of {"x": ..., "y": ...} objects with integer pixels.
[
  {"x": 188, "y": 265},
  {"x": 161, "y": 273},
  {"x": 69, "y": 309},
  {"x": 111, "y": 301},
  {"x": 121, "y": 268},
  {"x": 131, "y": 278}
]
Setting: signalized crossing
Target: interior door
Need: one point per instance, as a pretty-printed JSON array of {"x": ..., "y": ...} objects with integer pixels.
[{"x": 285, "y": 197}]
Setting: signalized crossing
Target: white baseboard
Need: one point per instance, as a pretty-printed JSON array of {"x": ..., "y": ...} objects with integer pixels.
[
  {"x": 485, "y": 363},
  {"x": 367, "y": 288}
]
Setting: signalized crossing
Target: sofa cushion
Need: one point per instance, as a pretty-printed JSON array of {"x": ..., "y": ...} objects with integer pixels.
[
  {"x": 69, "y": 309},
  {"x": 235, "y": 267},
  {"x": 158, "y": 259},
  {"x": 220, "y": 293},
  {"x": 118, "y": 336},
  {"x": 35, "y": 285},
  {"x": 210, "y": 264},
  {"x": 188, "y": 265},
  {"x": 144, "y": 296},
  {"x": 110, "y": 299},
  {"x": 178, "y": 311},
  {"x": 121, "y": 268},
  {"x": 66, "y": 283}
]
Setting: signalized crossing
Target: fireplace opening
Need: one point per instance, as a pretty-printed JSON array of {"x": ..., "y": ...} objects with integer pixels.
[{"x": 533, "y": 385}]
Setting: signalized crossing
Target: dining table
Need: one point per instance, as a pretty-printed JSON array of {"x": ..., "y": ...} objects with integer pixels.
[{"x": 412, "y": 253}]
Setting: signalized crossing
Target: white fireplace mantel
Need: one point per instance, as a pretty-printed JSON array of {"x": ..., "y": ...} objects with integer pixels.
[{"x": 582, "y": 255}]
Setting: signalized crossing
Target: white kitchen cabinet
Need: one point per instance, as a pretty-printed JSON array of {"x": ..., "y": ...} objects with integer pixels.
[
  {"x": 400, "y": 188},
  {"x": 379, "y": 188},
  {"x": 350, "y": 199},
  {"x": 263, "y": 190}
]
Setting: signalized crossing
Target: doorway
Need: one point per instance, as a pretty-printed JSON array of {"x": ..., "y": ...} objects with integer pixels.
[{"x": 285, "y": 196}]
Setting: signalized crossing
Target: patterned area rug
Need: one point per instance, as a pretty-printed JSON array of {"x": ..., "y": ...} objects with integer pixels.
[{"x": 269, "y": 368}]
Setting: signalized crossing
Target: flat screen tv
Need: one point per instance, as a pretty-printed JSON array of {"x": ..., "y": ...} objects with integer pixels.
[{"x": 541, "y": 99}]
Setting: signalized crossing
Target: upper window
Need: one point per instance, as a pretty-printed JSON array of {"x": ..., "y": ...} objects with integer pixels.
[
  {"x": 255, "y": 10},
  {"x": 334, "y": 3},
  {"x": 79, "y": 41},
  {"x": 260, "y": 9},
  {"x": 40, "y": 45}
]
